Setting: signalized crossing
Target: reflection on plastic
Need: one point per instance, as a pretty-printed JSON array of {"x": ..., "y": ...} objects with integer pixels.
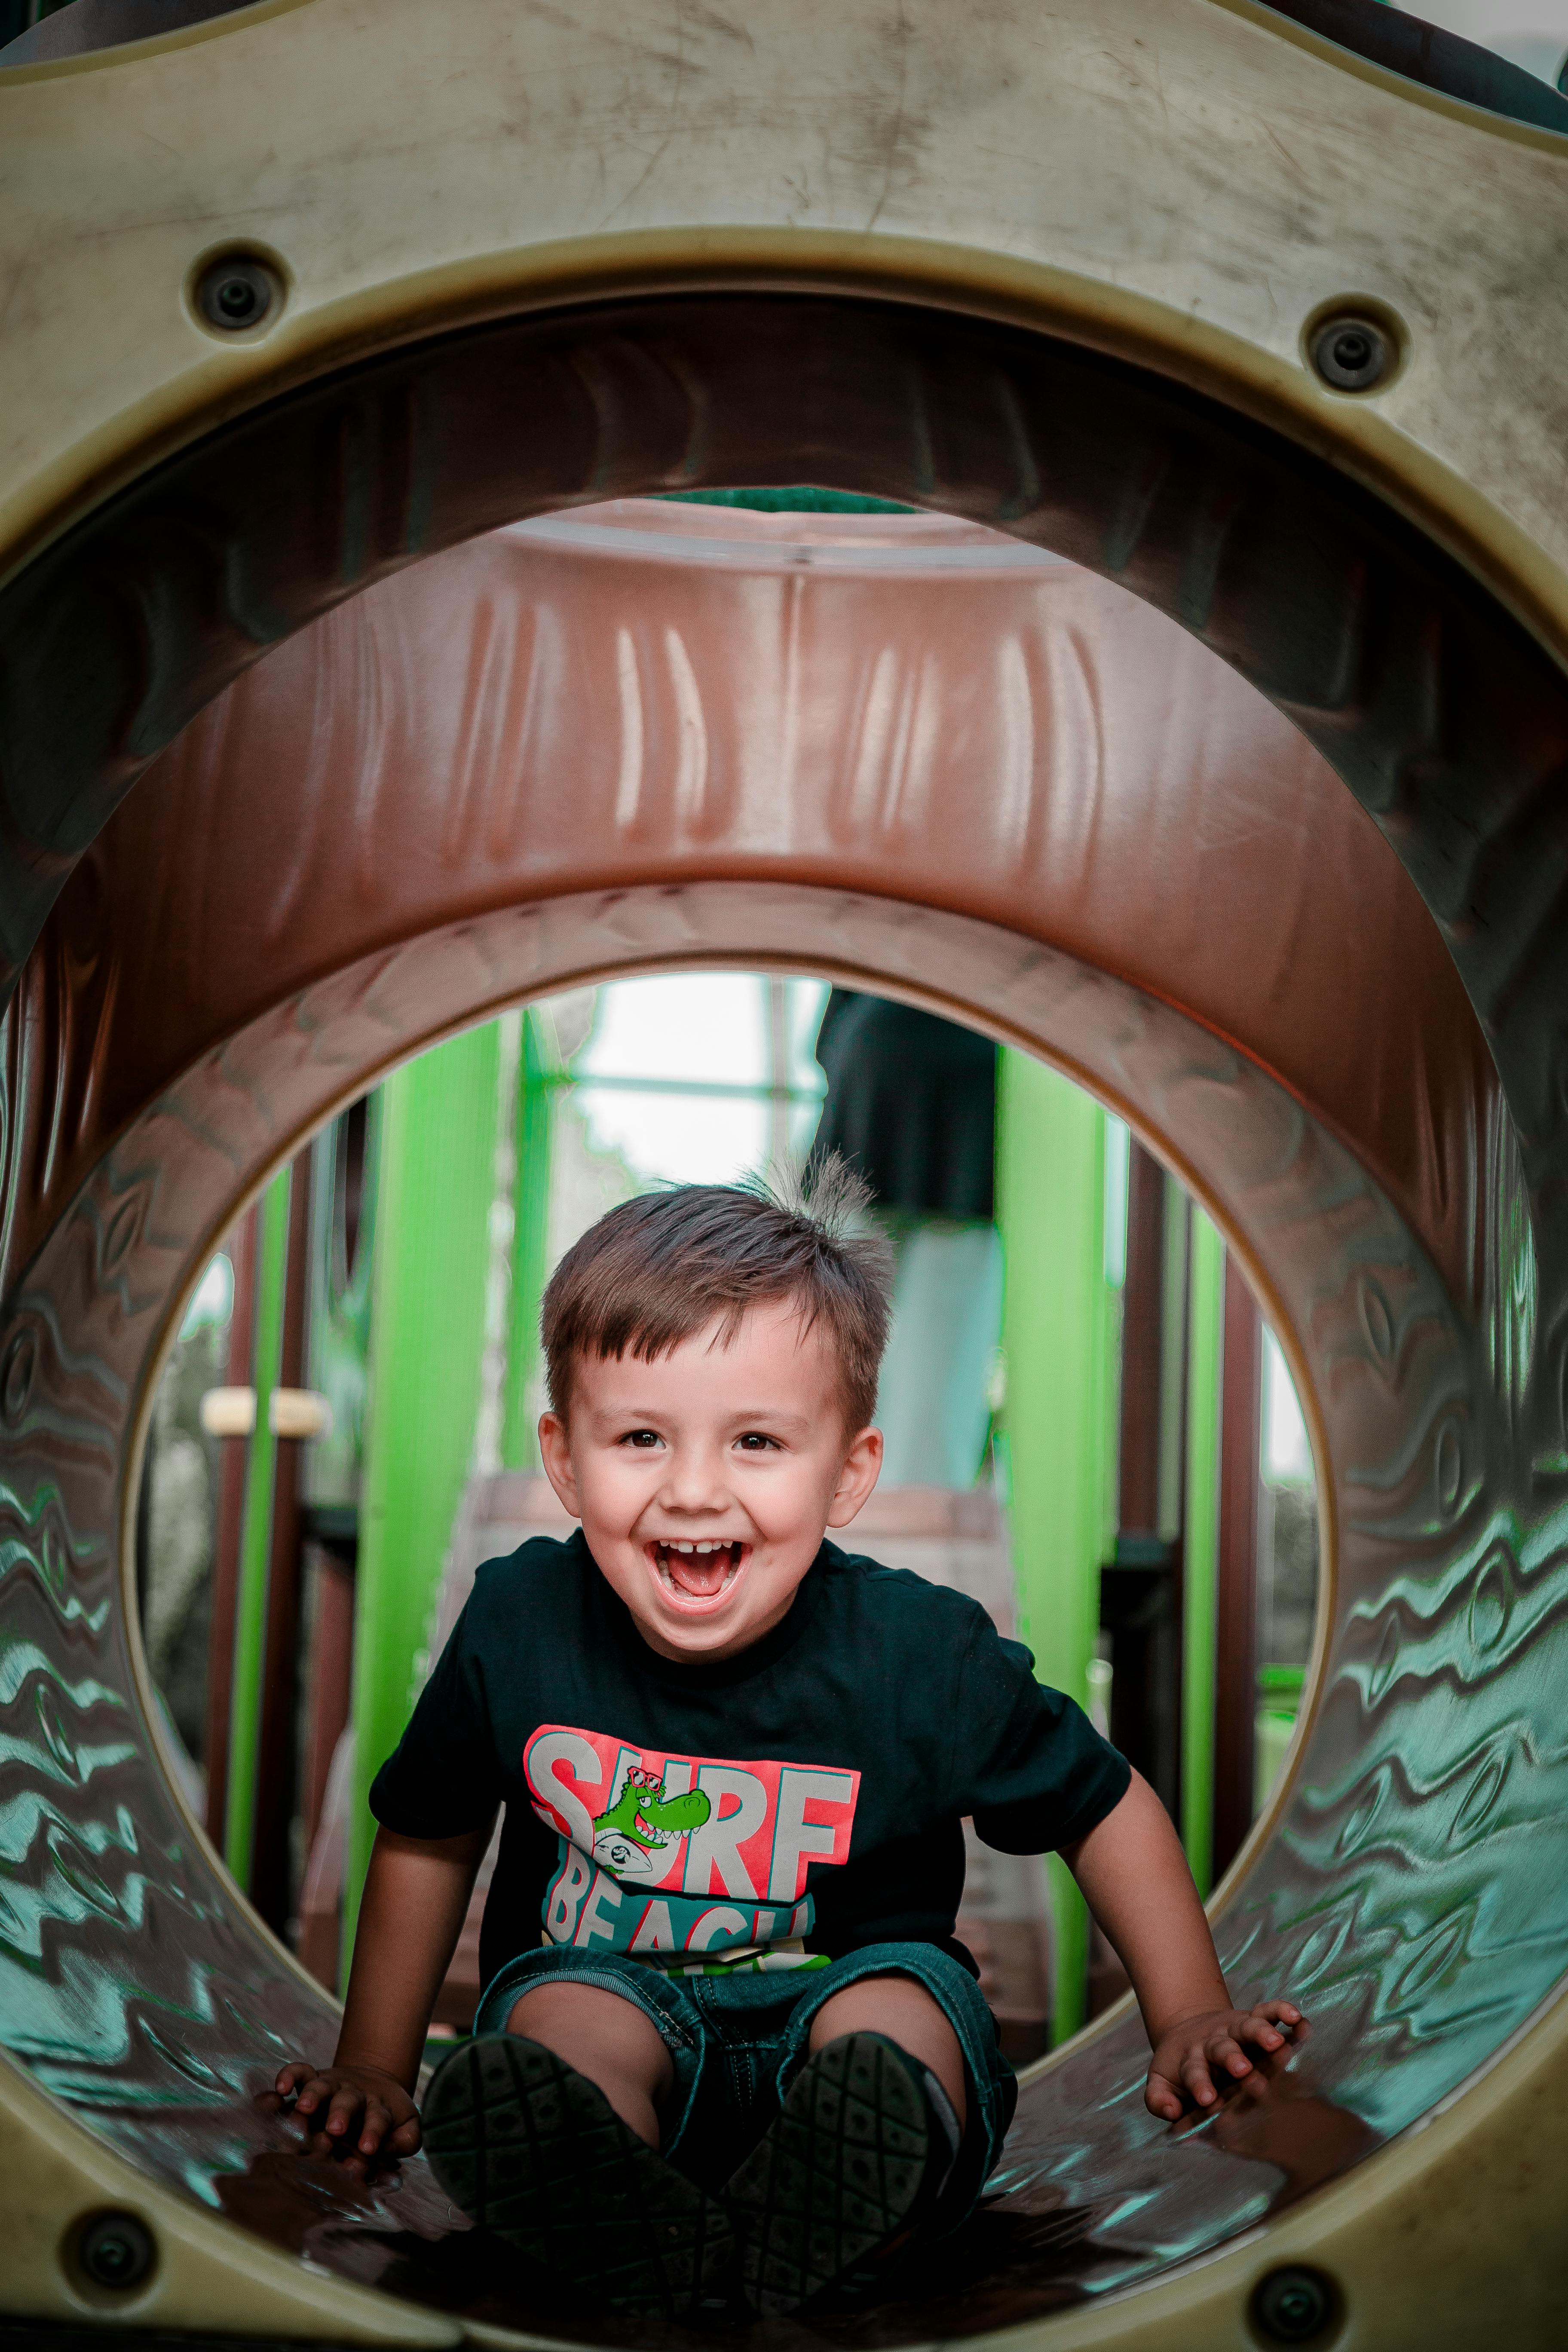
[
  {"x": 1416, "y": 1901},
  {"x": 1415, "y": 1897}
]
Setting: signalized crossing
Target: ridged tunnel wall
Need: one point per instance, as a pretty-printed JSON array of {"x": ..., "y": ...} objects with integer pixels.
[{"x": 1090, "y": 805}]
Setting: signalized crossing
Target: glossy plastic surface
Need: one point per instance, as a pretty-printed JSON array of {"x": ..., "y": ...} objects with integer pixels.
[{"x": 915, "y": 755}]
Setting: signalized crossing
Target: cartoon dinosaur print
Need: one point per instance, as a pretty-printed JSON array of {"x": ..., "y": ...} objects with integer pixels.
[{"x": 630, "y": 1839}]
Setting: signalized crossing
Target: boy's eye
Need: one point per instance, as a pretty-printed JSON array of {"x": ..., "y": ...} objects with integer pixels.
[
  {"x": 756, "y": 1440},
  {"x": 642, "y": 1437}
]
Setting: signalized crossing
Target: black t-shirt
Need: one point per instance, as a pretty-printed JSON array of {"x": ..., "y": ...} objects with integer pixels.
[{"x": 807, "y": 1795}]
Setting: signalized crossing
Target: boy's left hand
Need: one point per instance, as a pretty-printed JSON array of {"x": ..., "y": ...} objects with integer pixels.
[{"x": 1189, "y": 2052}]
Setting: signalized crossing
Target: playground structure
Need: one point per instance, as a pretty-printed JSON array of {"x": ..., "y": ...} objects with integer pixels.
[
  {"x": 991, "y": 270},
  {"x": 986, "y": 644}
]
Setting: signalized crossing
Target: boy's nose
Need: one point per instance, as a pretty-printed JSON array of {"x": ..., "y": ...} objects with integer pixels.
[{"x": 694, "y": 1482}]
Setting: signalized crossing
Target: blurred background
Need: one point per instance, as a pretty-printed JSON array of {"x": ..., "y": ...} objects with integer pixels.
[
  {"x": 1089, "y": 1426},
  {"x": 1528, "y": 33}
]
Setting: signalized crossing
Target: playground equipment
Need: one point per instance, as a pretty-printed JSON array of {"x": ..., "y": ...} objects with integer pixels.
[{"x": 1228, "y": 315}]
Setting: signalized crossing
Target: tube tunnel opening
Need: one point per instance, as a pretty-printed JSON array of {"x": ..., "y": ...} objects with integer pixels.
[
  {"x": 1234, "y": 535},
  {"x": 603, "y": 1093},
  {"x": 1039, "y": 1969}
]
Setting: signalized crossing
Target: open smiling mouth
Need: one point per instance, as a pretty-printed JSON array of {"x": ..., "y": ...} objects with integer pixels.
[{"x": 696, "y": 1571}]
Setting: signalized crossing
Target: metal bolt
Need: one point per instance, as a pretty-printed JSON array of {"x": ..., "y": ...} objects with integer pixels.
[
  {"x": 1351, "y": 354},
  {"x": 117, "y": 2251},
  {"x": 1292, "y": 2307},
  {"x": 235, "y": 293}
]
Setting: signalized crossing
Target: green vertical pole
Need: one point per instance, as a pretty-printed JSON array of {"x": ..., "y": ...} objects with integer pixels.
[
  {"x": 1116, "y": 1148},
  {"x": 519, "y": 1441},
  {"x": 1200, "y": 1550},
  {"x": 255, "y": 1533},
  {"x": 427, "y": 1334},
  {"x": 1051, "y": 1211}
]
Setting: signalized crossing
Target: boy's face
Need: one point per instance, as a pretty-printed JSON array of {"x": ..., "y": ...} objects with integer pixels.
[{"x": 704, "y": 1481}]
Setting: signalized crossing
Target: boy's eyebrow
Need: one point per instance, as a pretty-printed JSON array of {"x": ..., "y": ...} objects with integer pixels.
[{"x": 743, "y": 1417}]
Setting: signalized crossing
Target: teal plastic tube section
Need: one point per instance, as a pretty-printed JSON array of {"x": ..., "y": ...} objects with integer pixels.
[
  {"x": 255, "y": 1533},
  {"x": 435, "y": 1181},
  {"x": 1055, "y": 1421},
  {"x": 1200, "y": 1552}
]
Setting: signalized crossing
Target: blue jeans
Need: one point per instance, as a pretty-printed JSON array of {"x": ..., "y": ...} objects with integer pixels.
[{"x": 738, "y": 2042}]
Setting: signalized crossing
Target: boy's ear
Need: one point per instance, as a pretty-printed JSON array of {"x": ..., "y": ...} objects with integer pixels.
[
  {"x": 555, "y": 1453},
  {"x": 862, "y": 1467}
]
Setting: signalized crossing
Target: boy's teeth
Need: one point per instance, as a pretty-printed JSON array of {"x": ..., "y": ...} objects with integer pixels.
[{"x": 698, "y": 1568}]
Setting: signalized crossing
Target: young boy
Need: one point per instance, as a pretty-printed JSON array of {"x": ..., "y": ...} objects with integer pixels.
[{"x": 726, "y": 2024}]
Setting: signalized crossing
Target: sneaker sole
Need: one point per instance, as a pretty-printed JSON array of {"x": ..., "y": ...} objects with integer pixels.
[
  {"x": 531, "y": 2149},
  {"x": 834, "y": 2177}
]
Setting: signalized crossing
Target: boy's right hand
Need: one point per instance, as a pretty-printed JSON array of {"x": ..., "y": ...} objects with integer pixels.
[{"x": 386, "y": 2117}]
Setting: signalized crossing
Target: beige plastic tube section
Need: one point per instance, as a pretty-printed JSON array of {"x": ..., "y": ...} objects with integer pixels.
[
  {"x": 1191, "y": 181},
  {"x": 55, "y": 2176}
]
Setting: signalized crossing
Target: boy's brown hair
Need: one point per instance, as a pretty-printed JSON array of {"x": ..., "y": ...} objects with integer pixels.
[{"x": 660, "y": 1267}]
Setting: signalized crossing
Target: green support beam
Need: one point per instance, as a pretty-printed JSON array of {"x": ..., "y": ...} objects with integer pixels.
[
  {"x": 1056, "y": 1418},
  {"x": 434, "y": 1178},
  {"x": 1200, "y": 1550},
  {"x": 1108, "y": 1366},
  {"x": 535, "y": 1101},
  {"x": 256, "y": 1534}
]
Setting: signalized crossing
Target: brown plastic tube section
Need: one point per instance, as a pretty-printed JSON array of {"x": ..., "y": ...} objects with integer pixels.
[{"x": 908, "y": 707}]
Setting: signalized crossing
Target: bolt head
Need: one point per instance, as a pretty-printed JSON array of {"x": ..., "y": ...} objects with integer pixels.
[
  {"x": 116, "y": 2251},
  {"x": 235, "y": 293},
  {"x": 1352, "y": 354},
  {"x": 1293, "y": 2305}
]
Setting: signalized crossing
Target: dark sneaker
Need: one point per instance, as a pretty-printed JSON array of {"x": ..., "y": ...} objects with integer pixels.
[
  {"x": 534, "y": 2151},
  {"x": 827, "y": 2196}
]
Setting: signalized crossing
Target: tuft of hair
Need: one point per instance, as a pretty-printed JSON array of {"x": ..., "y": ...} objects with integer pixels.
[{"x": 661, "y": 1267}]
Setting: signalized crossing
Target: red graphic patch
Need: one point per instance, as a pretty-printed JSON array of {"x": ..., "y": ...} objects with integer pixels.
[{"x": 651, "y": 1839}]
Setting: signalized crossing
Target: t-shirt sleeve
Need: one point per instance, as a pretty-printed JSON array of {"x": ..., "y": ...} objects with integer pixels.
[
  {"x": 1029, "y": 1765},
  {"x": 442, "y": 1777}
]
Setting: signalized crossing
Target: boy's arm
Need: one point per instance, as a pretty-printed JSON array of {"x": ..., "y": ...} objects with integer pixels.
[
  {"x": 1136, "y": 1881},
  {"x": 416, "y": 1897}
]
